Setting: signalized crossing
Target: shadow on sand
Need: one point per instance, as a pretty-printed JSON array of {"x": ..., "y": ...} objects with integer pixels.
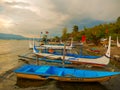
[
  {"x": 56, "y": 85},
  {"x": 80, "y": 86}
]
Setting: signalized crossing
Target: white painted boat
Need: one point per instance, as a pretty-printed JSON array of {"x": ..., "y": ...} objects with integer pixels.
[
  {"x": 31, "y": 45},
  {"x": 102, "y": 61}
]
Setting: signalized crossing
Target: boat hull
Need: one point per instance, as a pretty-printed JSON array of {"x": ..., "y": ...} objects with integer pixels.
[
  {"x": 67, "y": 79},
  {"x": 30, "y": 76},
  {"x": 46, "y": 72},
  {"x": 64, "y": 79}
]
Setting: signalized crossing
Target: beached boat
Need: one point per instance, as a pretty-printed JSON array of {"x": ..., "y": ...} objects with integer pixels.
[
  {"x": 58, "y": 47},
  {"x": 54, "y": 61},
  {"x": 101, "y": 61},
  {"x": 50, "y": 46},
  {"x": 31, "y": 44},
  {"x": 77, "y": 55},
  {"x": 118, "y": 44},
  {"x": 53, "y": 54},
  {"x": 44, "y": 72},
  {"x": 26, "y": 72}
]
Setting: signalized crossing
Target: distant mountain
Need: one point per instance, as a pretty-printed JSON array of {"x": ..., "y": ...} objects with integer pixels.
[{"x": 11, "y": 36}]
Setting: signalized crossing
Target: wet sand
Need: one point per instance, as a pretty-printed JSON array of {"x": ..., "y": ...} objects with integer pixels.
[{"x": 10, "y": 49}]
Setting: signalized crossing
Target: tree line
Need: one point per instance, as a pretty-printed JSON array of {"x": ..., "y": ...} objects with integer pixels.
[{"x": 93, "y": 34}]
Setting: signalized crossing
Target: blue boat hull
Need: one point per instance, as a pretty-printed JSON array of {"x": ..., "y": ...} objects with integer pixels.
[{"x": 45, "y": 72}]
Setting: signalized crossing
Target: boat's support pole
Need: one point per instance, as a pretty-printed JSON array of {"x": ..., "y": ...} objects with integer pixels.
[
  {"x": 64, "y": 52},
  {"x": 81, "y": 49},
  {"x": 37, "y": 60}
]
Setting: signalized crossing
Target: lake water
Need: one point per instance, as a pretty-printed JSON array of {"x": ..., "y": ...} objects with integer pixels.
[{"x": 9, "y": 51}]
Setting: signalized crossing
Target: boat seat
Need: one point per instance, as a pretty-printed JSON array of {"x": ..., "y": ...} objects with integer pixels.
[
  {"x": 60, "y": 73},
  {"x": 43, "y": 69},
  {"x": 27, "y": 69}
]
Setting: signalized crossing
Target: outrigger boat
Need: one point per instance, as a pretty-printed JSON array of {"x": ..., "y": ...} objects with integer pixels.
[
  {"x": 57, "y": 46},
  {"x": 56, "y": 55},
  {"x": 101, "y": 61},
  {"x": 118, "y": 44},
  {"x": 31, "y": 45},
  {"x": 49, "y": 46},
  {"x": 45, "y": 72}
]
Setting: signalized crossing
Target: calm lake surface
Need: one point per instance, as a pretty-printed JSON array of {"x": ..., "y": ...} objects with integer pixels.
[{"x": 9, "y": 51}]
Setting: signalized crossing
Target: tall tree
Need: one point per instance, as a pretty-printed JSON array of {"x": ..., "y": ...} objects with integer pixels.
[
  {"x": 75, "y": 28},
  {"x": 117, "y": 26},
  {"x": 64, "y": 34},
  {"x": 75, "y": 31},
  {"x": 118, "y": 20},
  {"x": 44, "y": 39},
  {"x": 56, "y": 38}
]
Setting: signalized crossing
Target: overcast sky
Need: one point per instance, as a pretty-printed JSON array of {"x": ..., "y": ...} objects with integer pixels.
[{"x": 30, "y": 17}]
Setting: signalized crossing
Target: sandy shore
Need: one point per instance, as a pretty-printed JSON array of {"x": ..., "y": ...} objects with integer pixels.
[{"x": 9, "y": 61}]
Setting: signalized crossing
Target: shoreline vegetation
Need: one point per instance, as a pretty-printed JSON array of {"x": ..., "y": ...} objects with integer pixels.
[{"x": 93, "y": 34}]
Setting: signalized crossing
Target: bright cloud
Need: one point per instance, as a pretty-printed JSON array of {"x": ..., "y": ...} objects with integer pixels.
[
  {"x": 30, "y": 17},
  {"x": 5, "y": 24}
]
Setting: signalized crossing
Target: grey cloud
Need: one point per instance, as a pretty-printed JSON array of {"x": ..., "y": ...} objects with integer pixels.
[
  {"x": 16, "y": 3},
  {"x": 1, "y": 8},
  {"x": 94, "y": 9},
  {"x": 52, "y": 15}
]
